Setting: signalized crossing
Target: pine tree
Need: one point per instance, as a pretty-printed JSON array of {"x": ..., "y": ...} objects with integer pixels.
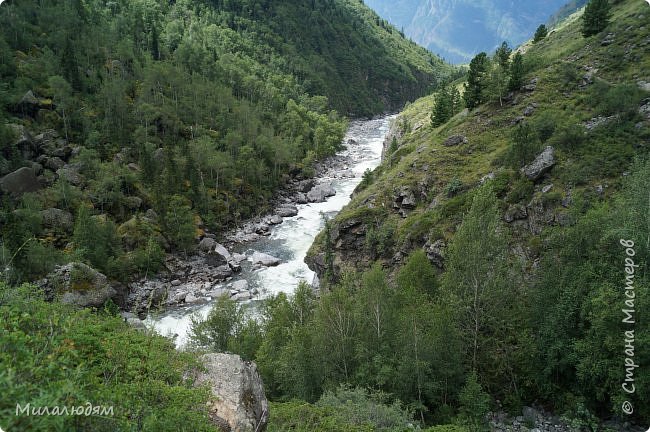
[
  {"x": 446, "y": 105},
  {"x": 502, "y": 55},
  {"x": 476, "y": 81},
  {"x": 516, "y": 72},
  {"x": 540, "y": 33},
  {"x": 442, "y": 108},
  {"x": 596, "y": 17}
]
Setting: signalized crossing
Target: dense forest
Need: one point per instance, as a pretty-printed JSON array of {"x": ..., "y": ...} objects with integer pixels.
[{"x": 144, "y": 122}]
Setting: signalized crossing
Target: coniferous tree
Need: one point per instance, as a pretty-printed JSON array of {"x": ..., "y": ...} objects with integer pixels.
[
  {"x": 446, "y": 105},
  {"x": 476, "y": 81},
  {"x": 502, "y": 55},
  {"x": 540, "y": 33},
  {"x": 516, "y": 72},
  {"x": 595, "y": 17}
]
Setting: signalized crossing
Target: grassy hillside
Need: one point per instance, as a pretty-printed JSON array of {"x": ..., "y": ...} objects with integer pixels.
[{"x": 556, "y": 235}]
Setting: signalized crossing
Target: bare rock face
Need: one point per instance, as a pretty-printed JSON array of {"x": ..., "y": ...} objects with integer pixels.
[
  {"x": 541, "y": 165},
  {"x": 239, "y": 403}
]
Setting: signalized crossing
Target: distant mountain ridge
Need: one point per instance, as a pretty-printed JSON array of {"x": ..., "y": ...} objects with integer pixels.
[{"x": 459, "y": 29}]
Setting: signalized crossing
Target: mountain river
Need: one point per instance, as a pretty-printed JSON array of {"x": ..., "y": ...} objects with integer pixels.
[{"x": 290, "y": 240}]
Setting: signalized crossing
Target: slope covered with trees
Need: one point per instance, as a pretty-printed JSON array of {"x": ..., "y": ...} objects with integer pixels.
[
  {"x": 483, "y": 265},
  {"x": 145, "y": 121}
]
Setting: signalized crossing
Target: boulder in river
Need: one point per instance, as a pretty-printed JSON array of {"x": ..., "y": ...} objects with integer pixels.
[
  {"x": 240, "y": 285},
  {"x": 275, "y": 220},
  {"x": 287, "y": 210},
  {"x": 238, "y": 401},
  {"x": 264, "y": 259},
  {"x": 320, "y": 193}
]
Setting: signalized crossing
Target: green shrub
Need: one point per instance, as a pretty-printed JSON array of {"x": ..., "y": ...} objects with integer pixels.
[
  {"x": 343, "y": 410},
  {"x": 55, "y": 355},
  {"x": 522, "y": 190},
  {"x": 454, "y": 187}
]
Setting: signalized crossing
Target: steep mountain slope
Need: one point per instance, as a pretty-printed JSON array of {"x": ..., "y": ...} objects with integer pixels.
[
  {"x": 195, "y": 110},
  {"x": 546, "y": 184},
  {"x": 459, "y": 29}
]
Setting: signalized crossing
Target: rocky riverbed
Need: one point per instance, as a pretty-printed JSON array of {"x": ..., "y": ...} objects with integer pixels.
[{"x": 265, "y": 255}]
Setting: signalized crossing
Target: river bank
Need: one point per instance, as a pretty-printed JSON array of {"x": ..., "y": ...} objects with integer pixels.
[{"x": 265, "y": 255}]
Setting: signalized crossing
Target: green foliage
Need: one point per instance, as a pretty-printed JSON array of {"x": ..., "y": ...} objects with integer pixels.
[
  {"x": 96, "y": 242},
  {"x": 454, "y": 187},
  {"x": 578, "y": 332},
  {"x": 524, "y": 147},
  {"x": 226, "y": 328},
  {"x": 178, "y": 222},
  {"x": 445, "y": 106},
  {"x": 481, "y": 280},
  {"x": 345, "y": 409},
  {"x": 596, "y": 17},
  {"x": 502, "y": 55},
  {"x": 366, "y": 179},
  {"x": 55, "y": 355},
  {"x": 540, "y": 33},
  {"x": 380, "y": 240},
  {"x": 517, "y": 72},
  {"x": 623, "y": 99},
  {"x": 474, "y": 404},
  {"x": 22, "y": 255},
  {"x": 477, "y": 81}
]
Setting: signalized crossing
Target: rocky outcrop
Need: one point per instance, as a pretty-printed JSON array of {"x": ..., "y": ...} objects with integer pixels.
[
  {"x": 541, "y": 165},
  {"x": 540, "y": 214},
  {"x": 77, "y": 284},
  {"x": 435, "y": 253},
  {"x": 515, "y": 212},
  {"x": 238, "y": 402},
  {"x": 404, "y": 201},
  {"x": 21, "y": 181},
  {"x": 455, "y": 140}
]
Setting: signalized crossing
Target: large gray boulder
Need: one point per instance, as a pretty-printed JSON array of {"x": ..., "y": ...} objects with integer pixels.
[
  {"x": 78, "y": 284},
  {"x": 57, "y": 219},
  {"x": 221, "y": 252},
  {"x": 207, "y": 244},
  {"x": 287, "y": 210},
  {"x": 320, "y": 193},
  {"x": 264, "y": 259},
  {"x": 541, "y": 165},
  {"x": 239, "y": 403},
  {"x": 21, "y": 181}
]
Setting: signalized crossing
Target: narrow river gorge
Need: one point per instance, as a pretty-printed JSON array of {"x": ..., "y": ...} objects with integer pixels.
[{"x": 290, "y": 240}]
